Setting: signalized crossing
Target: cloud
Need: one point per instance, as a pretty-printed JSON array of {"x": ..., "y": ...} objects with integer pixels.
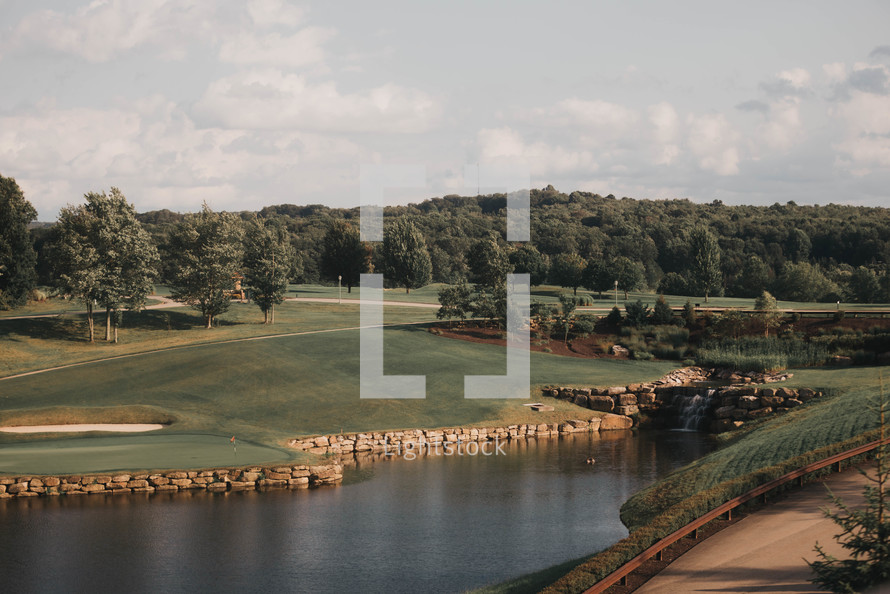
[
  {"x": 271, "y": 13},
  {"x": 104, "y": 29},
  {"x": 870, "y": 80},
  {"x": 882, "y": 51},
  {"x": 666, "y": 132},
  {"x": 300, "y": 49},
  {"x": 793, "y": 82},
  {"x": 712, "y": 140},
  {"x": 269, "y": 99},
  {"x": 507, "y": 145},
  {"x": 753, "y": 105}
]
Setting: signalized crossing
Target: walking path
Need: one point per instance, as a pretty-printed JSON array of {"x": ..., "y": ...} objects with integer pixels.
[{"x": 765, "y": 551}]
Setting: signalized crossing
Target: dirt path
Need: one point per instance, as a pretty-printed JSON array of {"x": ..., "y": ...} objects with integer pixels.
[
  {"x": 765, "y": 551},
  {"x": 80, "y": 428}
]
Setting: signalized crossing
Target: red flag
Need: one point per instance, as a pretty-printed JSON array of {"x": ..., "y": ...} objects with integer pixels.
[{"x": 233, "y": 439}]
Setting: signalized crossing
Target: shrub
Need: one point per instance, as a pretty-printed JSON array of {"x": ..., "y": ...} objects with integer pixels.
[
  {"x": 662, "y": 314},
  {"x": 583, "y": 327},
  {"x": 637, "y": 313},
  {"x": 839, "y": 315},
  {"x": 614, "y": 317},
  {"x": 36, "y": 295},
  {"x": 642, "y": 355},
  {"x": 689, "y": 314}
]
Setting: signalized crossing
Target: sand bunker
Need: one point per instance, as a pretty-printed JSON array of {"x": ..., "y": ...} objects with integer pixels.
[{"x": 119, "y": 428}]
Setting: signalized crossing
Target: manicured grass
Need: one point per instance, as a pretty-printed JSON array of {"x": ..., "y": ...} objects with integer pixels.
[
  {"x": 427, "y": 294},
  {"x": 273, "y": 389},
  {"x": 93, "y": 453},
  {"x": 27, "y": 345},
  {"x": 822, "y": 422}
]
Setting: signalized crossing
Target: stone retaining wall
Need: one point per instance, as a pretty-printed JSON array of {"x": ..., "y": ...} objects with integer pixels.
[
  {"x": 379, "y": 442},
  {"x": 214, "y": 480}
]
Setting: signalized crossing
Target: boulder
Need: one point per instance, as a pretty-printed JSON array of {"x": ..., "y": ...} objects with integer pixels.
[
  {"x": 620, "y": 351},
  {"x": 739, "y": 414},
  {"x": 724, "y": 412},
  {"x": 627, "y": 410},
  {"x": 581, "y": 400},
  {"x": 805, "y": 394},
  {"x": 625, "y": 400},
  {"x": 771, "y": 400},
  {"x": 792, "y": 402},
  {"x": 841, "y": 361},
  {"x": 601, "y": 403},
  {"x": 749, "y": 402},
  {"x": 760, "y": 412},
  {"x": 615, "y": 390},
  {"x": 721, "y": 425},
  {"x": 612, "y": 422},
  {"x": 595, "y": 423},
  {"x": 646, "y": 398}
]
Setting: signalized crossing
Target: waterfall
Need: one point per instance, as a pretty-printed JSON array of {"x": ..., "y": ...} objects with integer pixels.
[{"x": 692, "y": 410}]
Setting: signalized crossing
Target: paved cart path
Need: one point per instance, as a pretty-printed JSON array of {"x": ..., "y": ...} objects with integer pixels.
[{"x": 765, "y": 551}]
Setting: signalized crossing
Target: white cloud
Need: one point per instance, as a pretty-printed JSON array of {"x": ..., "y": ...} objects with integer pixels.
[
  {"x": 505, "y": 144},
  {"x": 269, "y": 13},
  {"x": 787, "y": 83},
  {"x": 273, "y": 49},
  {"x": 865, "y": 145},
  {"x": 666, "y": 125},
  {"x": 105, "y": 28},
  {"x": 712, "y": 140},
  {"x": 270, "y": 99},
  {"x": 603, "y": 120}
]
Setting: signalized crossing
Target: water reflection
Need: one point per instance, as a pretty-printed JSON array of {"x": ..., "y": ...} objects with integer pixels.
[{"x": 437, "y": 523}]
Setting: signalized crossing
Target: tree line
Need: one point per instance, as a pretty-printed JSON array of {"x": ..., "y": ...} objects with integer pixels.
[{"x": 106, "y": 254}]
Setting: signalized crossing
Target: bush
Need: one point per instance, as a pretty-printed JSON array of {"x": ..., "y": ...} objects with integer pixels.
[
  {"x": 36, "y": 296},
  {"x": 583, "y": 327},
  {"x": 614, "y": 317},
  {"x": 839, "y": 315},
  {"x": 642, "y": 355},
  {"x": 637, "y": 313},
  {"x": 662, "y": 314}
]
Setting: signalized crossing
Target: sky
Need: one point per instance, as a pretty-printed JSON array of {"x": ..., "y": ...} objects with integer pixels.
[{"x": 244, "y": 104}]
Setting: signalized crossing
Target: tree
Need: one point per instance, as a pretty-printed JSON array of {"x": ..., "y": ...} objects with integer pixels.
[
  {"x": 206, "y": 255},
  {"x": 864, "y": 286},
  {"x": 706, "y": 274},
  {"x": 662, "y": 314},
  {"x": 673, "y": 283},
  {"x": 631, "y": 276},
  {"x": 864, "y": 532},
  {"x": 637, "y": 313},
  {"x": 269, "y": 260},
  {"x": 753, "y": 278},
  {"x": 768, "y": 315},
  {"x": 489, "y": 263},
  {"x": 104, "y": 256},
  {"x": 406, "y": 259},
  {"x": 805, "y": 282},
  {"x": 798, "y": 246},
  {"x": 344, "y": 254},
  {"x": 567, "y": 306},
  {"x": 568, "y": 271},
  {"x": 730, "y": 323},
  {"x": 455, "y": 301},
  {"x": 690, "y": 316},
  {"x": 17, "y": 256},
  {"x": 526, "y": 259}
]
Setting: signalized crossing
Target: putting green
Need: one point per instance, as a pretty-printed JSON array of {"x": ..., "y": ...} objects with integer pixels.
[{"x": 106, "y": 454}]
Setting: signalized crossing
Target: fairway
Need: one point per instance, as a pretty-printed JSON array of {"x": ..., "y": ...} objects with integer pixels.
[
  {"x": 281, "y": 387},
  {"x": 107, "y": 454}
]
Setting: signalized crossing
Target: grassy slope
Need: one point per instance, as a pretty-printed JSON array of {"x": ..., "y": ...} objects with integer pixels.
[
  {"x": 822, "y": 422},
  {"x": 272, "y": 389}
]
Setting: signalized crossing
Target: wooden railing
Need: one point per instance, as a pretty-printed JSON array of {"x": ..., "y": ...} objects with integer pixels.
[{"x": 620, "y": 574}]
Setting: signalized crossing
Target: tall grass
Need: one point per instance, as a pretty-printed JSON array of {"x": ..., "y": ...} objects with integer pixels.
[{"x": 757, "y": 353}]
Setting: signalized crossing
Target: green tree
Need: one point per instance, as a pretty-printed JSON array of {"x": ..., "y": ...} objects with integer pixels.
[
  {"x": 768, "y": 315},
  {"x": 753, "y": 278},
  {"x": 865, "y": 532},
  {"x": 631, "y": 276},
  {"x": 798, "y": 245},
  {"x": 731, "y": 323},
  {"x": 673, "y": 283},
  {"x": 597, "y": 276},
  {"x": 690, "y": 316},
  {"x": 104, "y": 256},
  {"x": 805, "y": 282},
  {"x": 662, "y": 314},
  {"x": 455, "y": 302},
  {"x": 707, "y": 276},
  {"x": 206, "y": 256},
  {"x": 864, "y": 285},
  {"x": 526, "y": 259},
  {"x": 489, "y": 263},
  {"x": 344, "y": 255},
  {"x": 406, "y": 259},
  {"x": 269, "y": 261},
  {"x": 567, "y": 270},
  {"x": 17, "y": 256},
  {"x": 567, "y": 303}
]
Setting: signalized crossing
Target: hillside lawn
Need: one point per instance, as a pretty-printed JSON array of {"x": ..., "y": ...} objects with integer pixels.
[{"x": 270, "y": 389}]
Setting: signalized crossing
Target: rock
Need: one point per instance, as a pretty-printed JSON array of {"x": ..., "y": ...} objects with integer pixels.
[
  {"x": 217, "y": 487},
  {"x": 17, "y": 488},
  {"x": 771, "y": 400},
  {"x": 646, "y": 398},
  {"x": 841, "y": 361},
  {"x": 724, "y": 412},
  {"x": 768, "y": 392},
  {"x": 246, "y": 476},
  {"x": 626, "y": 400},
  {"x": 177, "y": 475},
  {"x": 278, "y": 476},
  {"x": 121, "y": 478},
  {"x": 302, "y": 481},
  {"x": 137, "y": 484},
  {"x": 612, "y": 422},
  {"x": 273, "y": 483},
  {"x": 749, "y": 402},
  {"x": 786, "y": 392},
  {"x": 805, "y": 394},
  {"x": 792, "y": 402},
  {"x": 601, "y": 403},
  {"x": 578, "y": 423},
  {"x": 760, "y": 412},
  {"x": 614, "y": 390},
  {"x": 740, "y": 413},
  {"x": 595, "y": 423},
  {"x": 721, "y": 425},
  {"x": 620, "y": 351},
  {"x": 627, "y": 410},
  {"x": 581, "y": 400}
]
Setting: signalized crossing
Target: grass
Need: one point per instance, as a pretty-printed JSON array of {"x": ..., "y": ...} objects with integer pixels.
[
  {"x": 756, "y": 353},
  {"x": 29, "y": 344},
  {"x": 280, "y": 387},
  {"x": 532, "y": 582},
  {"x": 427, "y": 294}
]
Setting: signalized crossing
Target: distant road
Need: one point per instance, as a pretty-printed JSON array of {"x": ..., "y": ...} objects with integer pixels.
[{"x": 765, "y": 551}]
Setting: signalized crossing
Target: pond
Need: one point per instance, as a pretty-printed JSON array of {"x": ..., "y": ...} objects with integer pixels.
[{"x": 435, "y": 523}]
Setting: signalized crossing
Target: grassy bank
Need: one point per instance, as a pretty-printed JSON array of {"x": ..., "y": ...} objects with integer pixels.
[{"x": 829, "y": 425}]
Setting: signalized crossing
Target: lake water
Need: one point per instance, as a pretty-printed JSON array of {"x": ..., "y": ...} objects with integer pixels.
[{"x": 436, "y": 523}]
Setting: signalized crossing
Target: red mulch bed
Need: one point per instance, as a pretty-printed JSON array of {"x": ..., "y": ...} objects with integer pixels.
[{"x": 586, "y": 348}]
